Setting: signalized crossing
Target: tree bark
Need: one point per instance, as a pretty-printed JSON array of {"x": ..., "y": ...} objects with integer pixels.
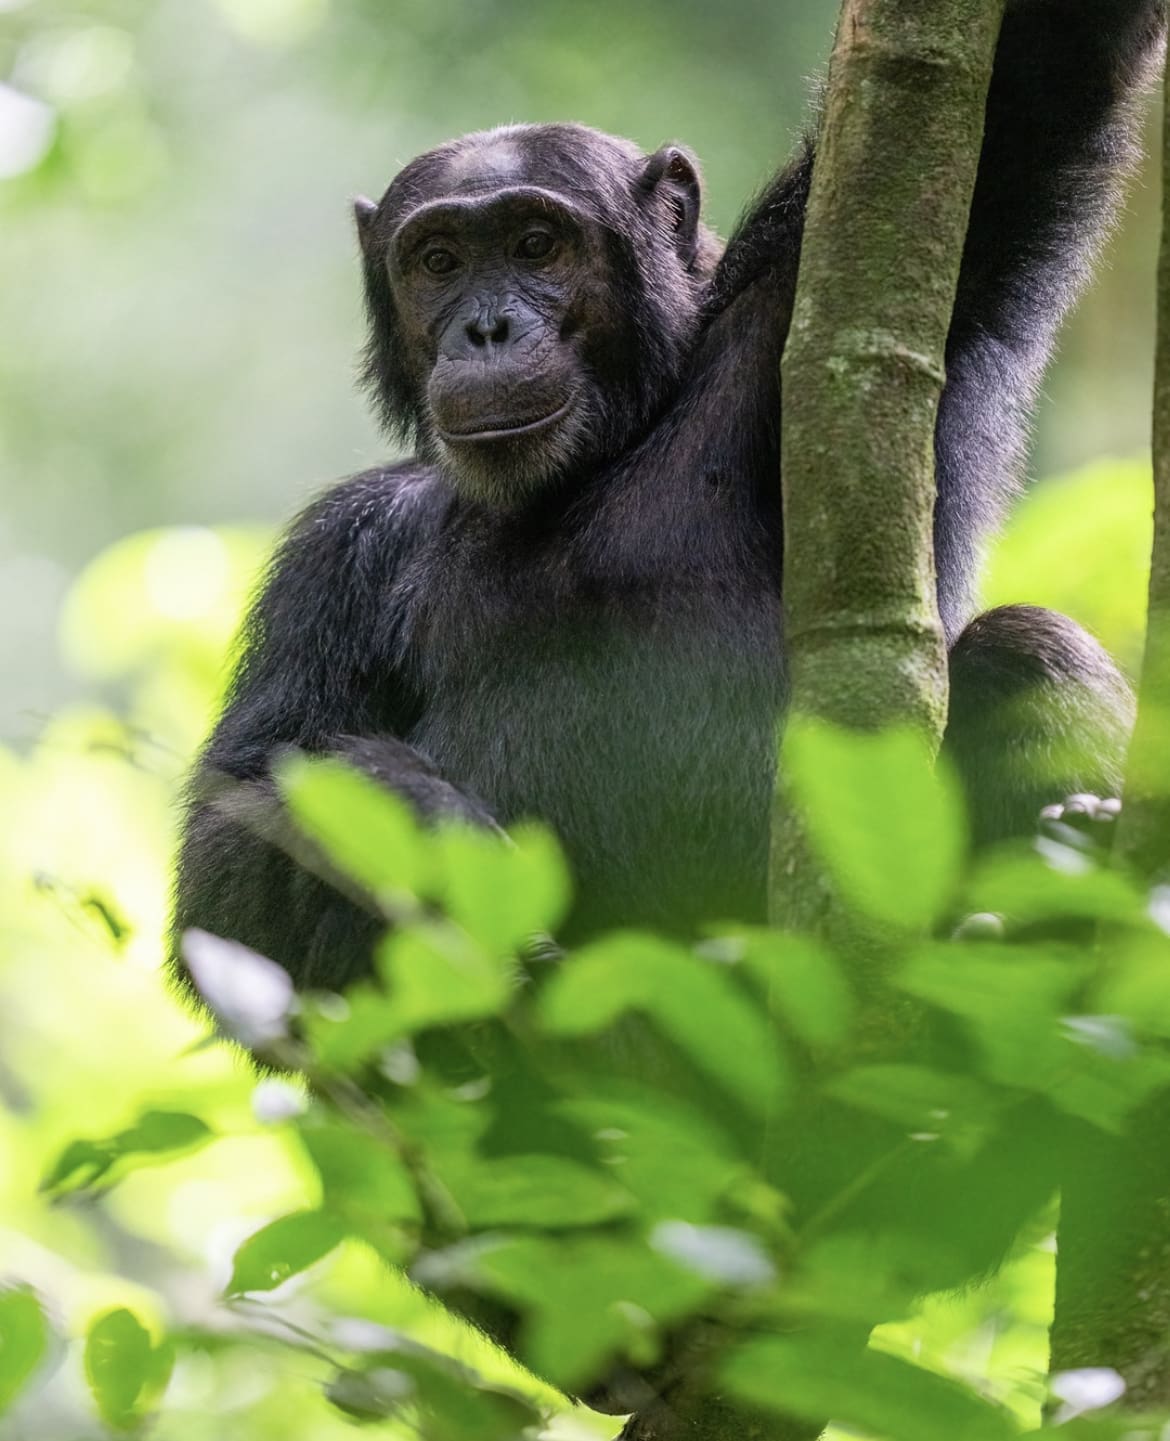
[
  {"x": 862, "y": 376},
  {"x": 1144, "y": 831},
  {"x": 1113, "y": 1276}
]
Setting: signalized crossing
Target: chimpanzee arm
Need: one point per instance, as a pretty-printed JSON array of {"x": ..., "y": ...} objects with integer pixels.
[
  {"x": 320, "y": 670},
  {"x": 1059, "y": 139},
  {"x": 1060, "y": 121}
]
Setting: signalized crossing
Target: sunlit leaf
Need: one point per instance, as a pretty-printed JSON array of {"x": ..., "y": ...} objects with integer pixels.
[
  {"x": 156, "y": 1135},
  {"x": 127, "y": 1373},
  {"x": 887, "y": 824},
  {"x": 344, "y": 1034},
  {"x": 438, "y": 974},
  {"x": 503, "y": 894},
  {"x": 159, "y": 593},
  {"x": 284, "y": 1248},
  {"x": 694, "y": 1001},
  {"x": 24, "y": 1337},
  {"x": 365, "y": 1184},
  {"x": 1136, "y": 984},
  {"x": 367, "y": 832}
]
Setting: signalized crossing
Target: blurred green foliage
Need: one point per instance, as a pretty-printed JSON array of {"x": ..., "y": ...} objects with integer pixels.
[
  {"x": 186, "y": 1240},
  {"x": 1081, "y": 545}
]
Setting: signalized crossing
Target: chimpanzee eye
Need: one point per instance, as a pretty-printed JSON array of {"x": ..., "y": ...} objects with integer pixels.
[
  {"x": 536, "y": 245},
  {"x": 438, "y": 261}
]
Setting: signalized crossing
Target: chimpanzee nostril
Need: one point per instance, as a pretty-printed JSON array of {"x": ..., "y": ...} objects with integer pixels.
[{"x": 488, "y": 330}]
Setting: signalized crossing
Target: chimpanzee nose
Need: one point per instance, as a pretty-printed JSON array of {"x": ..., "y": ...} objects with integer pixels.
[{"x": 488, "y": 329}]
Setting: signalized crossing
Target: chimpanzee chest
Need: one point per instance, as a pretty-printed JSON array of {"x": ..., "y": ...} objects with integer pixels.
[{"x": 632, "y": 709}]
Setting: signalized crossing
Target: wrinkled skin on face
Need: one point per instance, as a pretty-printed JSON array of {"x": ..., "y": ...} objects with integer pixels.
[{"x": 532, "y": 293}]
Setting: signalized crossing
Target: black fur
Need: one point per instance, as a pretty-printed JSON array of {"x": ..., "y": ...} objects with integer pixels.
[{"x": 604, "y": 649}]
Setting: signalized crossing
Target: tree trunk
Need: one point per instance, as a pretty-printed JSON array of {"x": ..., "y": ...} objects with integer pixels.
[
  {"x": 1144, "y": 832},
  {"x": 1113, "y": 1277},
  {"x": 862, "y": 376}
]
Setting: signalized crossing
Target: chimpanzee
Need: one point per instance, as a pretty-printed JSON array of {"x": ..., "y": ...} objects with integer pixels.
[{"x": 568, "y": 605}]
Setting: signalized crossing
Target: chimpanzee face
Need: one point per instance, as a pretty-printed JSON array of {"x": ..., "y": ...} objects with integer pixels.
[{"x": 536, "y": 295}]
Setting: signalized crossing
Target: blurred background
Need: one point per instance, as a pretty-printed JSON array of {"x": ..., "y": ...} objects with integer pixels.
[
  {"x": 179, "y": 300},
  {"x": 179, "y": 320}
]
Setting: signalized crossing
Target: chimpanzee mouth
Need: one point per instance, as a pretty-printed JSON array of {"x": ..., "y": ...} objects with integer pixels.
[{"x": 506, "y": 431}]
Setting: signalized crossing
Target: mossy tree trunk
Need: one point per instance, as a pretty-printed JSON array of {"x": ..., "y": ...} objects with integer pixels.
[{"x": 862, "y": 376}]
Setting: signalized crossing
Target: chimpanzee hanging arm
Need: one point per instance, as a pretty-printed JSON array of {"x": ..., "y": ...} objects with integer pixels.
[
  {"x": 1060, "y": 138},
  {"x": 1062, "y": 120}
]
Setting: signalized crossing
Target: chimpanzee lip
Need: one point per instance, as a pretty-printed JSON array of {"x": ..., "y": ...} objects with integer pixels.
[{"x": 507, "y": 432}]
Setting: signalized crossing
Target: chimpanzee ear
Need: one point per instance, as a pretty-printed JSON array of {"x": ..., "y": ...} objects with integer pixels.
[
  {"x": 363, "y": 212},
  {"x": 673, "y": 174}
]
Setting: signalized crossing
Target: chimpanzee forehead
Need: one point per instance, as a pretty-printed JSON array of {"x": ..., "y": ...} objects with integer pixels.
[{"x": 572, "y": 159}]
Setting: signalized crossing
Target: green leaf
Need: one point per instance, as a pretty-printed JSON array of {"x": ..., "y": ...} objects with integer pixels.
[
  {"x": 503, "y": 892},
  {"x": 874, "y": 1393},
  {"x": 863, "y": 1277},
  {"x": 365, "y": 1184},
  {"x": 695, "y": 1002},
  {"x": 803, "y": 982},
  {"x": 436, "y": 974},
  {"x": 920, "y": 1100},
  {"x": 345, "y": 1037},
  {"x": 284, "y": 1248},
  {"x": 674, "y": 1158},
  {"x": 367, "y": 832},
  {"x": 1136, "y": 984},
  {"x": 1015, "y": 1001},
  {"x": 24, "y": 1338},
  {"x": 82, "y": 1165},
  {"x": 587, "y": 1298},
  {"x": 887, "y": 824},
  {"x": 1029, "y": 889},
  {"x": 538, "y": 1190},
  {"x": 1011, "y": 999},
  {"x": 127, "y": 1374},
  {"x": 1096, "y": 1077},
  {"x": 432, "y": 974}
]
